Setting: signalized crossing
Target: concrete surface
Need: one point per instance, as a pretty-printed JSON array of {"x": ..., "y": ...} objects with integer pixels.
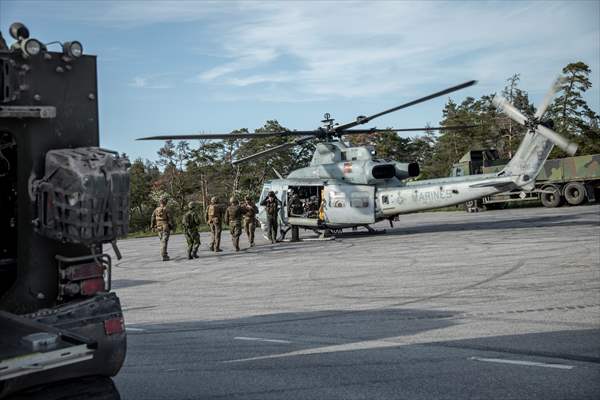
[{"x": 499, "y": 304}]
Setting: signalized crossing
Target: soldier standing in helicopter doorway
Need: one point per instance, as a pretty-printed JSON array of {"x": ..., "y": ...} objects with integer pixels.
[
  {"x": 271, "y": 204},
  {"x": 191, "y": 226},
  {"x": 214, "y": 218},
  {"x": 250, "y": 211},
  {"x": 162, "y": 223},
  {"x": 233, "y": 216}
]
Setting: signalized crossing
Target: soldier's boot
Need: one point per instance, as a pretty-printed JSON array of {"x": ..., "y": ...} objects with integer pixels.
[
  {"x": 195, "y": 254},
  {"x": 166, "y": 258},
  {"x": 236, "y": 244},
  {"x": 190, "y": 254},
  {"x": 218, "y": 245}
]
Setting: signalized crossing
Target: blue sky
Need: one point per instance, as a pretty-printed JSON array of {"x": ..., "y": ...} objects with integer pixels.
[{"x": 191, "y": 66}]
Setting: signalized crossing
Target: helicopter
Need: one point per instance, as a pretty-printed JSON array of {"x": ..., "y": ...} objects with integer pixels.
[{"x": 349, "y": 187}]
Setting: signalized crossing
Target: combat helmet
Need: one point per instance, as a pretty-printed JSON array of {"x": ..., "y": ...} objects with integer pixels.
[
  {"x": 163, "y": 200},
  {"x": 191, "y": 204},
  {"x": 214, "y": 200},
  {"x": 233, "y": 200}
]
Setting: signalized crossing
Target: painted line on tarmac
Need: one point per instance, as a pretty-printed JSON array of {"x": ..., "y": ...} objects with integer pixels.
[
  {"x": 130, "y": 329},
  {"x": 256, "y": 339},
  {"x": 522, "y": 362}
]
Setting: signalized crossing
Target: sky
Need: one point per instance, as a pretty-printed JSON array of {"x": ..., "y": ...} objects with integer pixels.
[{"x": 168, "y": 67}]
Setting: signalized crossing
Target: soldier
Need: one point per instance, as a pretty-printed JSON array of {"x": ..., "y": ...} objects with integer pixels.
[
  {"x": 214, "y": 218},
  {"x": 271, "y": 204},
  {"x": 191, "y": 225},
  {"x": 249, "y": 210},
  {"x": 162, "y": 223},
  {"x": 233, "y": 216},
  {"x": 296, "y": 208}
]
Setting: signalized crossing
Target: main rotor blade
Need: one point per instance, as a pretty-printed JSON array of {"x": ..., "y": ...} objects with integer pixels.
[
  {"x": 548, "y": 98},
  {"x": 433, "y": 128},
  {"x": 273, "y": 149},
  {"x": 509, "y": 109},
  {"x": 364, "y": 120},
  {"x": 225, "y": 136}
]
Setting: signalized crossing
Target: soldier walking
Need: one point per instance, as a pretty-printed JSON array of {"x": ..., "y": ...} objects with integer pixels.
[
  {"x": 191, "y": 226},
  {"x": 162, "y": 223},
  {"x": 271, "y": 204},
  {"x": 214, "y": 218},
  {"x": 249, "y": 210},
  {"x": 233, "y": 216}
]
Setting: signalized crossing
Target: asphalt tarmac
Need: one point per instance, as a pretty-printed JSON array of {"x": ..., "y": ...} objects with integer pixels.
[{"x": 446, "y": 305}]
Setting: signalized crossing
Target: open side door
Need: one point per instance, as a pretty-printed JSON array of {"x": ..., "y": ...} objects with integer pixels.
[
  {"x": 27, "y": 347},
  {"x": 349, "y": 204}
]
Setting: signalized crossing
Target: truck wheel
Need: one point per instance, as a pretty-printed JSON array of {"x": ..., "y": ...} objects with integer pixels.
[
  {"x": 552, "y": 199},
  {"x": 574, "y": 193}
]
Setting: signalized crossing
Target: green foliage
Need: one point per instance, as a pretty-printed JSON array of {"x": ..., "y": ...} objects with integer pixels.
[{"x": 570, "y": 112}]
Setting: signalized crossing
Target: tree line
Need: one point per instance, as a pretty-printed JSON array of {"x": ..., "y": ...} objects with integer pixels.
[{"x": 196, "y": 171}]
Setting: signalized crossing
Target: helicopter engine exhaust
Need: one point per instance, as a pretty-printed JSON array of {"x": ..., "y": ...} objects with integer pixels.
[
  {"x": 406, "y": 170},
  {"x": 383, "y": 171}
]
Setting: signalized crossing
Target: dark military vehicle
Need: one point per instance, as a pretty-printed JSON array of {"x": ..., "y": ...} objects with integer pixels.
[{"x": 61, "y": 199}]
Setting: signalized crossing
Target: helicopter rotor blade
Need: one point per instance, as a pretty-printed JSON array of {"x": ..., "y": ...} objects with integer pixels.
[
  {"x": 225, "y": 136},
  {"x": 432, "y": 128},
  {"x": 273, "y": 149},
  {"x": 509, "y": 109},
  {"x": 548, "y": 98},
  {"x": 364, "y": 120}
]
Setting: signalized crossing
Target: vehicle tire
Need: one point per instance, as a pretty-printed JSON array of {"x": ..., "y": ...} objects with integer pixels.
[
  {"x": 575, "y": 193},
  {"x": 553, "y": 199}
]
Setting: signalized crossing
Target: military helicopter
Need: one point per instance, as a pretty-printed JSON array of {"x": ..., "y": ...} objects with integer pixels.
[{"x": 347, "y": 187}]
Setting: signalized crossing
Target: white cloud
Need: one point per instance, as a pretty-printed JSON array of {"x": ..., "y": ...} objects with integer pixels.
[
  {"x": 156, "y": 81},
  {"x": 368, "y": 49},
  {"x": 376, "y": 48}
]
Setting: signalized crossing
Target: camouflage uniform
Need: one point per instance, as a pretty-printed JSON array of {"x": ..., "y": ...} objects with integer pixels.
[
  {"x": 271, "y": 204},
  {"x": 250, "y": 211},
  {"x": 296, "y": 208},
  {"x": 191, "y": 225},
  {"x": 162, "y": 223},
  {"x": 214, "y": 218},
  {"x": 233, "y": 215}
]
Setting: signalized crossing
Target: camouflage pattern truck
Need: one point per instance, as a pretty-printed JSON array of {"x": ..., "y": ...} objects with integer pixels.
[{"x": 571, "y": 180}]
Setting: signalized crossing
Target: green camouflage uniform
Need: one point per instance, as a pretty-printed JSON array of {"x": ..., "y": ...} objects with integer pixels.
[
  {"x": 191, "y": 225},
  {"x": 162, "y": 223},
  {"x": 249, "y": 210},
  {"x": 233, "y": 215},
  {"x": 214, "y": 218}
]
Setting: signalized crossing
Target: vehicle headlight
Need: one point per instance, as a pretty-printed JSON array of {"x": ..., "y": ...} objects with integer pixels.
[
  {"x": 73, "y": 49},
  {"x": 31, "y": 47}
]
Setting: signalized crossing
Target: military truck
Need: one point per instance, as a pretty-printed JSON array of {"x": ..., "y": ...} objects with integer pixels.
[
  {"x": 571, "y": 180},
  {"x": 62, "y": 198}
]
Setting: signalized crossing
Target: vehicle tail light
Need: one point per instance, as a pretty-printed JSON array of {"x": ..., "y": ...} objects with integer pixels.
[
  {"x": 114, "y": 325},
  {"x": 92, "y": 286}
]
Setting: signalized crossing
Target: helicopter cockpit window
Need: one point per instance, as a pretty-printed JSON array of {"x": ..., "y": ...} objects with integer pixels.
[
  {"x": 359, "y": 200},
  {"x": 385, "y": 199}
]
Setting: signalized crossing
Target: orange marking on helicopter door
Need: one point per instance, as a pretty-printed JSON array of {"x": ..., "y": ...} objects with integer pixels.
[{"x": 347, "y": 167}]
